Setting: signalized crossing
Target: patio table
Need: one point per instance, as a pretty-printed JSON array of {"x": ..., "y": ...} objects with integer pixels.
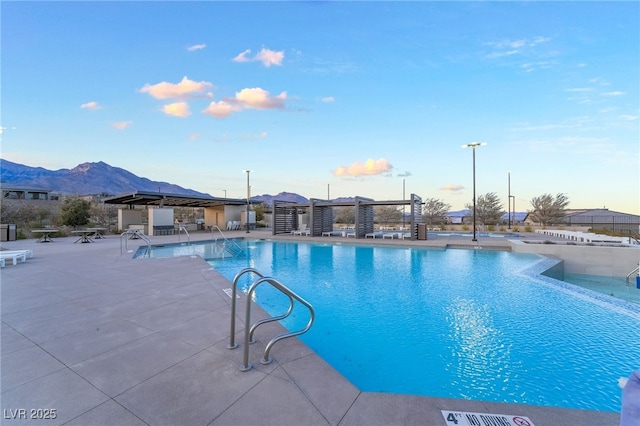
[
  {"x": 97, "y": 233},
  {"x": 44, "y": 238},
  {"x": 85, "y": 236}
]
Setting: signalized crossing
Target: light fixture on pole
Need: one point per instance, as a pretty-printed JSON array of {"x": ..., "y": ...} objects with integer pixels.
[
  {"x": 473, "y": 146},
  {"x": 248, "y": 198}
]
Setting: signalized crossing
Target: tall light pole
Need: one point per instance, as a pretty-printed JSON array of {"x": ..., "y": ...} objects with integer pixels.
[
  {"x": 473, "y": 146},
  {"x": 509, "y": 200},
  {"x": 248, "y": 198},
  {"x": 513, "y": 197},
  {"x": 403, "y": 206}
]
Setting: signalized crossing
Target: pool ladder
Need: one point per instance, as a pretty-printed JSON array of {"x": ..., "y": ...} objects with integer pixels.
[
  {"x": 636, "y": 271},
  {"x": 131, "y": 234},
  {"x": 227, "y": 244},
  {"x": 182, "y": 228},
  {"x": 248, "y": 331}
]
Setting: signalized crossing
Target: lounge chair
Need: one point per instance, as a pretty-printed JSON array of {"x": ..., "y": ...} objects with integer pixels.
[
  {"x": 374, "y": 235},
  {"x": 302, "y": 230}
]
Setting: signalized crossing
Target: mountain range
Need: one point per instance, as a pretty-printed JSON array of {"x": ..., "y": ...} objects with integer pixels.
[
  {"x": 84, "y": 179},
  {"x": 101, "y": 178}
]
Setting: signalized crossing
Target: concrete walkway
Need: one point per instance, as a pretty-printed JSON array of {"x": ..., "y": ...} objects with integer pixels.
[{"x": 93, "y": 337}]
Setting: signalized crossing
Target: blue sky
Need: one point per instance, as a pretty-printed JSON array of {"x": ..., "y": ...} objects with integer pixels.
[{"x": 350, "y": 98}]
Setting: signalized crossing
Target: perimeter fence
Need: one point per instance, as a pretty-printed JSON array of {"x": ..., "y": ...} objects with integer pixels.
[{"x": 620, "y": 224}]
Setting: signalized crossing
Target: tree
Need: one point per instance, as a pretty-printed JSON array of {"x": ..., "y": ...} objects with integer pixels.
[
  {"x": 488, "y": 208},
  {"x": 346, "y": 215},
  {"x": 25, "y": 214},
  {"x": 259, "y": 209},
  {"x": 75, "y": 212},
  {"x": 387, "y": 214},
  {"x": 435, "y": 211},
  {"x": 547, "y": 209}
]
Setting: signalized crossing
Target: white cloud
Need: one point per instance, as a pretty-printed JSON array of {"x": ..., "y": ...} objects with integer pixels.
[
  {"x": 617, "y": 93},
  {"x": 177, "y": 109},
  {"x": 3, "y": 128},
  {"x": 452, "y": 187},
  {"x": 121, "y": 125},
  {"x": 166, "y": 90},
  {"x": 196, "y": 47},
  {"x": 252, "y": 98},
  {"x": 368, "y": 168},
  {"x": 268, "y": 57},
  {"x": 242, "y": 57},
  {"x": 508, "y": 47},
  {"x": 91, "y": 105},
  {"x": 328, "y": 99},
  {"x": 255, "y": 136},
  {"x": 259, "y": 98},
  {"x": 538, "y": 40},
  {"x": 220, "y": 109}
]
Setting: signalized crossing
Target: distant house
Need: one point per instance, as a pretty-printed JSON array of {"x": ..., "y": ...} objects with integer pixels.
[
  {"x": 516, "y": 217},
  {"x": 603, "y": 219},
  {"x": 457, "y": 217},
  {"x": 20, "y": 193},
  {"x": 464, "y": 216}
]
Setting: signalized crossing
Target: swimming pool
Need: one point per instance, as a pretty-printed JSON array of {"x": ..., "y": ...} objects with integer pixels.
[
  {"x": 613, "y": 286},
  {"x": 472, "y": 324}
]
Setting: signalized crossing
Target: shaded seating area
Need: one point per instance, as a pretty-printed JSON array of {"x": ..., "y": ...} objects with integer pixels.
[{"x": 321, "y": 220}]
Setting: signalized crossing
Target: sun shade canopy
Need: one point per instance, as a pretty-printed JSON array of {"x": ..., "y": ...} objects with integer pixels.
[{"x": 138, "y": 198}]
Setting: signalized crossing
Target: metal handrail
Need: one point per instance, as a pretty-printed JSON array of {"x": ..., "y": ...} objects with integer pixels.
[
  {"x": 232, "y": 329},
  {"x": 238, "y": 249},
  {"x": 248, "y": 332},
  {"x": 636, "y": 270},
  {"x": 134, "y": 233},
  {"x": 183, "y": 228}
]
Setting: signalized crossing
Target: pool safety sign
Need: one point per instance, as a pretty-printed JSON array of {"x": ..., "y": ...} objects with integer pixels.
[{"x": 462, "y": 418}]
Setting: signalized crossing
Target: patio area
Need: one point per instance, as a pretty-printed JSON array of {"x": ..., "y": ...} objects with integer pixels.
[{"x": 92, "y": 337}]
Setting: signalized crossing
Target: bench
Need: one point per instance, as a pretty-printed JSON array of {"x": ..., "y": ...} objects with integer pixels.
[{"x": 14, "y": 256}]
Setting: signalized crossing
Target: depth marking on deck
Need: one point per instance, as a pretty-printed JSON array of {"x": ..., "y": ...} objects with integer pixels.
[
  {"x": 229, "y": 292},
  {"x": 463, "y": 418}
]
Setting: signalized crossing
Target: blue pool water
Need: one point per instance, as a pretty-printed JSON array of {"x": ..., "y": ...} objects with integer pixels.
[
  {"x": 613, "y": 286},
  {"x": 472, "y": 324}
]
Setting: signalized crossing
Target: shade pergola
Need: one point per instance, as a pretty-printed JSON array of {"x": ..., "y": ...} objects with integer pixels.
[
  {"x": 285, "y": 217},
  {"x": 160, "y": 199}
]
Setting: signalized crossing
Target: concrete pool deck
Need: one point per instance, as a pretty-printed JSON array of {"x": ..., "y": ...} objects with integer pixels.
[{"x": 103, "y": 339}]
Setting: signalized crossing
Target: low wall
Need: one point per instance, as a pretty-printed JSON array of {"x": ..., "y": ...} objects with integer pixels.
[{"x": 586, "y": 260}]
